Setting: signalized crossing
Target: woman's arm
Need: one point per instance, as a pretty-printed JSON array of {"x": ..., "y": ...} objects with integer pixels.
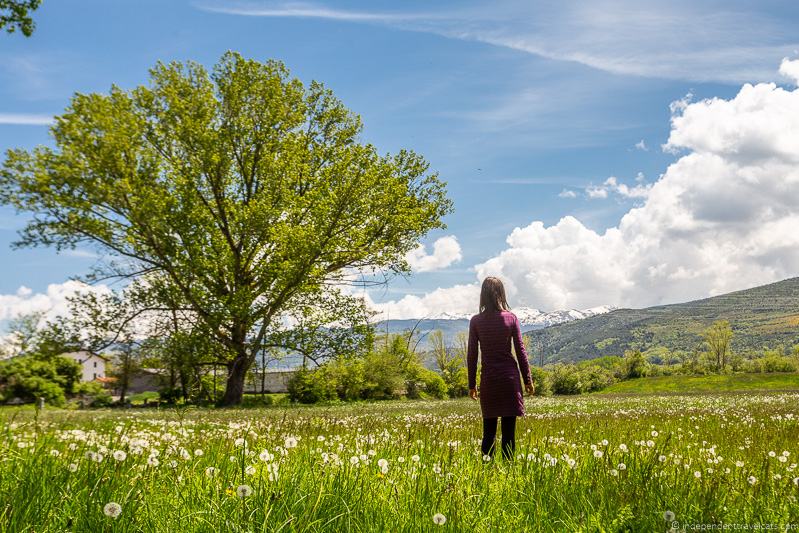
[
  {"x": 471, "y": 359},
  {"x": 521, "y": 355}
]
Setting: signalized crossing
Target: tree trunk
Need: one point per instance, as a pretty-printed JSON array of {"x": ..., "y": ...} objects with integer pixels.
[
  {"x": 237, "y": 372},
  {"x": 123, "y": 392},
  {"x": 184, "y": 383}
]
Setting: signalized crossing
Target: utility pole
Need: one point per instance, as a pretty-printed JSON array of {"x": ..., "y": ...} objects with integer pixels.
[{"x": 541, "y": 352}]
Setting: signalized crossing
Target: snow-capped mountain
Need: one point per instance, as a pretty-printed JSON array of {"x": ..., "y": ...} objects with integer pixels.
[
  {"x": 453, "y": 324},
  {"x": 531, "y": 317}
]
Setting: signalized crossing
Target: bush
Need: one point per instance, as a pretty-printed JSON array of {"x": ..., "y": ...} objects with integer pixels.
[
  {"x": 779, "y": 364},
  {"x": 383, "y": 376},
  {"x": 614, "y": 364},
  {"x": 346, "y": 376},
  {"x": 307, "y": 386},
  {"x": 542, "y": 381},
  {"x": 93, "y": 394},
  {"x": 29, "y": 377},
  {"x": 457, "y": 382},
  {"x": 30, "y": 388},
  {"x": 594, "y": 378},
  {"x": 635, "y": 364},
  {"x": 565, "y": 379},
  {"x": 422, "y": 382}
]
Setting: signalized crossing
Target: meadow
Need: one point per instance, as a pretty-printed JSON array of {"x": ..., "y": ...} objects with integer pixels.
[{"x": 588, "y": 463}]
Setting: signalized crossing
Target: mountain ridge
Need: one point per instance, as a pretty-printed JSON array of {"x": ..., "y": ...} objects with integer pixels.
[
  {"x": 761, "y": 316},
  {"x": 451, "y": 324}
]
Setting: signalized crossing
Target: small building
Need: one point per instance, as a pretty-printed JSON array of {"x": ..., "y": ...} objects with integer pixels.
[
  {"x": 93, "y": 365},
  {"x": 271, "y": 381},
  {"x": 146, "y": 380}
]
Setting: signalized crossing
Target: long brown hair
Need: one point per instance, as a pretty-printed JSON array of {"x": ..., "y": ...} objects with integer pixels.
[{"x": 492, "y": 295}]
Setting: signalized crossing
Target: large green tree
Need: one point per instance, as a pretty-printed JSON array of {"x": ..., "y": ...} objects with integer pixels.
[
  {"x": 237, "y": 192},
  {"x": 718, "y": 338},
  {"x": 16, "y": 15}
]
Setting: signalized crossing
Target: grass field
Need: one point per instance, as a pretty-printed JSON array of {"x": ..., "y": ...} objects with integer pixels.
[
  {"x": 583, "y": 464},
  {"x": 710, "y": 383}
]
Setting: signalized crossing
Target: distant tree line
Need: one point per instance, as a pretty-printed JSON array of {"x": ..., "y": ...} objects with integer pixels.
[{"x": 713, "y": 356}]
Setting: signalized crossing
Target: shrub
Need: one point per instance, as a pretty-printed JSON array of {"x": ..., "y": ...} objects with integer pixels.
[
  {"x": 778, "y": 363},
  {"x": 257, "y": 400},
  {"x": 346, "y": 376},
  {"x": 29, "y": 377},
  {"x": 594, "y": 378},
  {"x": 305, "y": 386},
  {"x": 30, "y": 388},
  {"x": 542, "y": 380},
  {"x": 93, "y": 394},
  {"x": 565, "y": 379},
  {"x": 635, "y": 364},
  {"x": 457, "y": 383},
  {"x": 383, "y": 376},
  {"x": 422, "y": 382}
]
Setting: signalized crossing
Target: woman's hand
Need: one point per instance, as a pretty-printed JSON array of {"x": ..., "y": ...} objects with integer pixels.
[
  {"x": 473, "y": 394},
  {"x": 530, "y": 388}
]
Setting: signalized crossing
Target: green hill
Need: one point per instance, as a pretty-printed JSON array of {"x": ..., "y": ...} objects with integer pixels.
[
  {"x": 760, "y": 317},
  {"x": 703, "y": 384}
]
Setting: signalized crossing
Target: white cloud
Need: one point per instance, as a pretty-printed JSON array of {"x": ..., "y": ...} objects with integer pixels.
[
  {"x": 314, "y": 11},
  {"x": 613, "y": 186},
  {"x": 676, "y": 40},
  {"x": 446, "y": 251},
  {"x": 722, "y": 217},
  {"x": 594, "y": 191},
  {"x": 455, "y": 299},
  {"x": 567, "y": 193},
  {"x": 790, "y": 69},
  {"x": 641, "y": 145},
  {"x": 25, "y": 119},
  {"x": 53, "y": 302}
]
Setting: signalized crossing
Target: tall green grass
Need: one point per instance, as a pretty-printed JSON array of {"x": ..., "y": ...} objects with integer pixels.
[
  {"x": 582, "y": 464},
  {"x": 709, "y": 383}
]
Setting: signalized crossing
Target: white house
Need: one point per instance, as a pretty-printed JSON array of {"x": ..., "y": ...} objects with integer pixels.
[{"x": 93, "y": 365}]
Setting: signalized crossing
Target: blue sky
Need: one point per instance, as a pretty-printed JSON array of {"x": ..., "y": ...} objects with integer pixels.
[{"x": 513, "y": 103}]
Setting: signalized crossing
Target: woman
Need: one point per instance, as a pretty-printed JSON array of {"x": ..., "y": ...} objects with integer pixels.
[{"x": 493, "y": 328}]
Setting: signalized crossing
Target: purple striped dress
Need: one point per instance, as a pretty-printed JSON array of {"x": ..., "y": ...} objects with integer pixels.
[{"x": 500, "y": 386}]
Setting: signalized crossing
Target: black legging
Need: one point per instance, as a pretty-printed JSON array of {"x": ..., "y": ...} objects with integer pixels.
[{"x": 508, "y": 436}]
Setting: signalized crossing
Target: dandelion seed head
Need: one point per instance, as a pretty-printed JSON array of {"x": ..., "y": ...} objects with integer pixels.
[{"x": 112, "y": 509}]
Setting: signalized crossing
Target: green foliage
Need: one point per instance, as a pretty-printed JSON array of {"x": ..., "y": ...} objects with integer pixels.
[
  {"x": 28, "y": 378},
  {"x": 385, "y": 373},
  {"x": 565, "y": 379},
  {"x": 595, "y": 378},
  {"x": 542, "y": 380},
  {"x": 604, "y": 343},
  {"x": 307, "y": 386},
  {"x": 347, "y": 377},
  {"x": 451, "y": 363},
  {"x": 770, "y": 363},
  {"x": 15, "y": 15},
  {"x": 635, "y": 364},
  {"x": 614, "y": 364},
  {"x": 391, "y": 371},
  {"x": 241, "y": 193},
  {"x": 717, "y": 339},
  {"x": 93, "y": 393},
  {"x": 421, "y": 382}
]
